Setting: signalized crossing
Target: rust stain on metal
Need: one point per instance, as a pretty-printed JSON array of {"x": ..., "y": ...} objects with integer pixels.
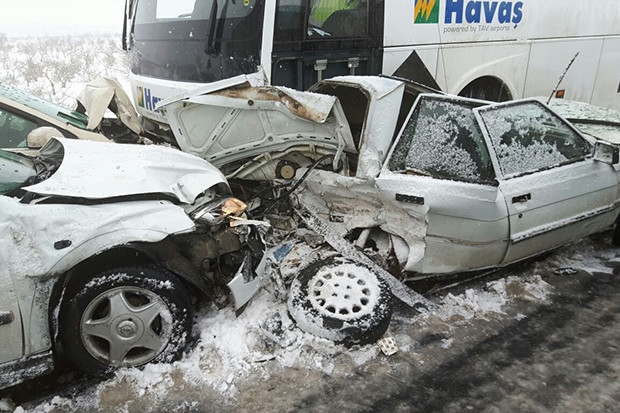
[{"x": 272, "y": 94}]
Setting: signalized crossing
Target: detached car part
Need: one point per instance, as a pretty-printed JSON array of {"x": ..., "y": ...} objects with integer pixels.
[{"x": 341, "y": 300}]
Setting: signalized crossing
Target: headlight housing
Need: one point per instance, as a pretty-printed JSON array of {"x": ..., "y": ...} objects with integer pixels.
[{"x": 215, "y": 212}]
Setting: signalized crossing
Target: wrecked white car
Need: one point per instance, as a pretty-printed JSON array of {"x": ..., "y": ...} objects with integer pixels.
[
  {"x": 104, "y": 248},
  {"x": 424, "y": 184},
  {"x": 454, "y": 184},
  {"x": 257, "y": 132}
]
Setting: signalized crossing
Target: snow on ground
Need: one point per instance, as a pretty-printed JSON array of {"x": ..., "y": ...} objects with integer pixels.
[{"x": 231, "y": 353}]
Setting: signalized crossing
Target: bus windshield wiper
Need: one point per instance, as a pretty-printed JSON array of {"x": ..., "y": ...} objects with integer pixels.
[
  {"x": 216, "y": 29},
  {"x": 210, "y": 41}
]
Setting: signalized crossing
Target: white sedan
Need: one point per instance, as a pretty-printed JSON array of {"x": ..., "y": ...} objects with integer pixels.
[
  {"x": 103, "y": 247},
  {"x": 469, "y": 185},
  {"x": 464, "y": 186},
  {"x": 425, "y": 184}
]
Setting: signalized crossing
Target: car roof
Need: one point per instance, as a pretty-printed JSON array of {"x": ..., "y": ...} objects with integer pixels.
[{"x": 58, "y": 112}]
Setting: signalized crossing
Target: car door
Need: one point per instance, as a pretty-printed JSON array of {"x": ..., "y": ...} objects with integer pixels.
[
  {"x": 554, "y": 190},
  {"x": 440, "y": 170},
  {"x": 10, "y": 321}
]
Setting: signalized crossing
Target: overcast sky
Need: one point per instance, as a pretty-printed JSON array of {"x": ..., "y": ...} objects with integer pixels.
[{"x": 41, "y": 17}]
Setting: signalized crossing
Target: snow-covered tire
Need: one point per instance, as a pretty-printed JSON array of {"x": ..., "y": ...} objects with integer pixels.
[
  {"x": 342, "y": 301},
  {"x": 125, "y": 317}
]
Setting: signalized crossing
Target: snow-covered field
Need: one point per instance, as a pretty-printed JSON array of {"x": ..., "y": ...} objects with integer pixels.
[{"x": 57, "y": 68}]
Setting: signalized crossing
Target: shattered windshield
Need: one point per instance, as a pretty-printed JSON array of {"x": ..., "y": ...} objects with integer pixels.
[
  {"x": 442, "y": 139},
  {"x": 528, "y": 137},
  {"x": 15, "y": 171}
]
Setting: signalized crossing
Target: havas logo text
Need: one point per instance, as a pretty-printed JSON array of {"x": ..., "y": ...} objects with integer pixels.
[
  {"x": 484, "y": 12},
  {"x": 146, "y": 100},
  {"x": 472, "y": 11}
]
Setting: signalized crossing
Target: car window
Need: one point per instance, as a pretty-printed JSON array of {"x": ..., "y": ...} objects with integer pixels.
[
  {"x": 528, "y": 137},
  {"x": 338, "y": 18},
  {"x": 14, "y": 129},
  {"x": 442, "y": 139},
  {"x": 15, "y": 170}
]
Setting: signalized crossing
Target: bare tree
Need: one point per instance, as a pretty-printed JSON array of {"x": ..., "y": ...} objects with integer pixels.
[{"x": 56, "y": 68}]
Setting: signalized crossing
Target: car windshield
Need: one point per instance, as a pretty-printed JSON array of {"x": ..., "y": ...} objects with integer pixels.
[{"x": 15, "y": 171}]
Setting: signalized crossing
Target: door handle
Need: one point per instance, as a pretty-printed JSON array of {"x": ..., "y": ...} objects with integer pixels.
[
  {"x": 6, "y": 317},
  {"x": 521, "y": 198},
  {"x": 412, "y": 199}
]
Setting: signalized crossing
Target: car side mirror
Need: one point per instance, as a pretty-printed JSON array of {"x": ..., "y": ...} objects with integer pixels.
[
  {"x": 606, "y": 152},
  {"x": 38, "y": 137}
]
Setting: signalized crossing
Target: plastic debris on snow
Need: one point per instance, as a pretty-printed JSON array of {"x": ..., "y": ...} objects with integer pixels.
[
  {"x": 388, "y": 346},
  {"x": 496, "y": 294}
]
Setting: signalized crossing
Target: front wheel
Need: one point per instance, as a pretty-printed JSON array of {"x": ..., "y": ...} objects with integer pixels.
[{"x": 125, "y": 318}]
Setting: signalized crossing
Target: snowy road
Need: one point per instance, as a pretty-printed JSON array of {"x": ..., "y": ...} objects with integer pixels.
[
  {"x": 563, "y": 356},
  {"x": 536, "y": 338}
]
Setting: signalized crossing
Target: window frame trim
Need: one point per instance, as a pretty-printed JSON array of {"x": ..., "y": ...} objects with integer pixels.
[
  {"x": 476, "y": 104},
  {"x": 498, "y": 170}
]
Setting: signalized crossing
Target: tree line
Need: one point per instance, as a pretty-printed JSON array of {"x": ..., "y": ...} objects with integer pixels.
[{"x": 57, "y": 68}]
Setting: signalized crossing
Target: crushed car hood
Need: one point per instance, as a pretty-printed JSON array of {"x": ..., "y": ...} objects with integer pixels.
[
  {"x": 96, "y": 170},
  {"x": 229, "y": 122}
]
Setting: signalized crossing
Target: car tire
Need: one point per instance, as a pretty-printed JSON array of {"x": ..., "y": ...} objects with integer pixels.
[
  {"x": 342, "y": 301},
  {"x": 125, "y": 317}
]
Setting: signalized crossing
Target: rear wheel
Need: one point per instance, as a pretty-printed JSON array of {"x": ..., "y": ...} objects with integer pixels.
[
  {"x": 342, "y": 301},
  {"x": 125, "y": 318}
]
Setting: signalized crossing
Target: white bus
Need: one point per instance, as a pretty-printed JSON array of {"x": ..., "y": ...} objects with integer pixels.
[{"x": 495, "y": 50}]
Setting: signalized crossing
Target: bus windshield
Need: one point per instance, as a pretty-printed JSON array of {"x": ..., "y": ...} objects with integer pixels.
[{"x": 195, "y": 40}]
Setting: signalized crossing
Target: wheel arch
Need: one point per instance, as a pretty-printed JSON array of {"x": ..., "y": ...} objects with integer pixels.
[
  {"x": 129, "y": 255},
  {"x": 487, "y": 87}
]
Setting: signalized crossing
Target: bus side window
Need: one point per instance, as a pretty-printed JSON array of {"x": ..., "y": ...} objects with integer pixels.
[
  {"x": 339, "y": 18},
  {"x": 289, "y": 21}
]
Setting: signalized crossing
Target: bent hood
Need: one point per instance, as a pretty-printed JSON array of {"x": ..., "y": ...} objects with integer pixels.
[
  {"x": 97, "y": 170},
  {"x": 230, "y": 123}
]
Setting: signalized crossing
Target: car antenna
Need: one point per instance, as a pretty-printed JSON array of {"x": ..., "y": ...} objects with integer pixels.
[{"x": 562, "y": 77}]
